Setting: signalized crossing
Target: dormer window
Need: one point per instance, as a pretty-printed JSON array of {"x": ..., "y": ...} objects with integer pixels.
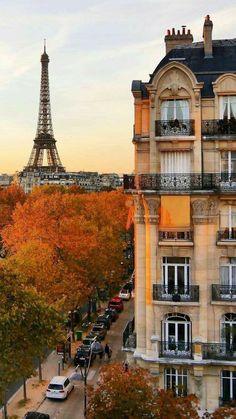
[
  {"x": 176, "y": 109},
  {"x": 227, "y": 107}
]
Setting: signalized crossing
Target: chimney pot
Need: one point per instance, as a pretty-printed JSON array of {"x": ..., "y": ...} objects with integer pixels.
[
  {"x": 173, "y": 31},
  {"x": 183, "y": 29},
  {"x": 178, "y": 32},
  {"x": 168, "y": 31},
  {"x": 177, "y": 37},
  {"x": 207, "y": 37},
  {"x": 189, "y": 32}
]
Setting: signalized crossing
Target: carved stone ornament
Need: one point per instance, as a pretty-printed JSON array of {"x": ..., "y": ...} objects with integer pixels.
[
  {"x": 152, "y": 207},
  {"x": 138, "y": 210},
  {"x": 204, "y": 211},
  {"x": 197, "y": 97},
  {"x": 152, "y": 100},
  {"x": 198, "y": 386}
]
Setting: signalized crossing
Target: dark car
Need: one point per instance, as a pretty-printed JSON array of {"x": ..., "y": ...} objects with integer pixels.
[
  {"x": 88, "y": 340},
  {"x": 99, "y": 330},
  {"x": 105, "y": 319},
  {"x": 112, "y": 313},
  {"x": 36, "y": 415},
  {"x": 83, "y": 355}
]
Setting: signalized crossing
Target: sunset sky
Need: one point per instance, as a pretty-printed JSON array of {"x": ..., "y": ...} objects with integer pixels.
[{"x": 96, "y": 48}]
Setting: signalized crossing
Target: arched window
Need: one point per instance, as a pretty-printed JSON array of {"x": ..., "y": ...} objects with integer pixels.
[
  {"x": 177, "y": 335},
  {"x": 228, "y": 332}
]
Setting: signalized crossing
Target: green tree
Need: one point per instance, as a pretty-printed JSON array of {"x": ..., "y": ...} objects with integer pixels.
[{"x": 28, "y": 325}]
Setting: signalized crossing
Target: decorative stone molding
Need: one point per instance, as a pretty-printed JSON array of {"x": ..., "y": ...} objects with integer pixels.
[
  {"x": 151, "y": 210},
  {"x": 138, "y": 210},
  {"x": 204, "y": 211}
]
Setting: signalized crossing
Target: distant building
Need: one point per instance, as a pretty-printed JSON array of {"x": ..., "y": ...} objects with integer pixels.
[{"x": 5, "y": 180}]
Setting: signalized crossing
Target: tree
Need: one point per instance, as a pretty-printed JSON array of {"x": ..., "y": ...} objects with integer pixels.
[
  {"x": 28, "y": 325},
  {"x": 133, "y": 394},
  {"x": 224, "y": 412}
]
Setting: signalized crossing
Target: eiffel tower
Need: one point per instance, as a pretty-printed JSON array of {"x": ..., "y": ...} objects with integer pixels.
[{"x": 44, "y": 142}]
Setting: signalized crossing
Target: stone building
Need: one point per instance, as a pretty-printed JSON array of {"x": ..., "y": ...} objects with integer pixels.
[{"x": 184, "y": 190}]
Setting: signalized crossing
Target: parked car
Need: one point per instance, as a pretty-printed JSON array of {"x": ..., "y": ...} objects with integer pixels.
[
  {"x": 113, "y": 313},
  {"x": 88, "y": 340},
  {"x": 99, "y": 330},
  {"x": 116, "y": 303},
  {"x": 83, "y": 355},
  {"x": 105, "y": 319},
  {"x": 59, "y": 388},
  {"x": 97, "y": 349},
  {"x": 125, "y": 294},
  {"x": 36, "y": 415}
]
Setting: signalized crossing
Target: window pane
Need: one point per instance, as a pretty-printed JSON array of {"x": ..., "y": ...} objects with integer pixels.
[
  {"x": 171, "y": 279},
  {"x": 226, "y": 389}
]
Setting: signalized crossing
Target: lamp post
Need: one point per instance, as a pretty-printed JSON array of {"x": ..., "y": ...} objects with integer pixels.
[{"x": 84, "y": 373}]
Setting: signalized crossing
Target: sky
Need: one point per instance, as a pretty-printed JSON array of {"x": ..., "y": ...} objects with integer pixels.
[{"x": 96, "y": 48}]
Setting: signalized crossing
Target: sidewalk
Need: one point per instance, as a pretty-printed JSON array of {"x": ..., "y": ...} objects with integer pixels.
[{"x": 35, "y": 390}]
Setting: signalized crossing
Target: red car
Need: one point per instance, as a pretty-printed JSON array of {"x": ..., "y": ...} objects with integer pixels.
[{"x": 116, "y": 303}]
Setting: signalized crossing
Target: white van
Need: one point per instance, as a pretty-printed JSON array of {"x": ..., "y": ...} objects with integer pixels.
[{"x": 59, "y": 388}]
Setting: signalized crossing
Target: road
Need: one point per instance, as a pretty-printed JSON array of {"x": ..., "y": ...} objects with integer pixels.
[{"x": 72, "y": 408}]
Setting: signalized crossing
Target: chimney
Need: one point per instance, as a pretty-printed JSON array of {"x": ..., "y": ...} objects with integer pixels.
[
  {"x": 207, "y": 37},
  {"x": 180, "y": 38}
]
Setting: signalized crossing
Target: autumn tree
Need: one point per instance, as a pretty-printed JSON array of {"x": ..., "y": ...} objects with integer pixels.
[
  {"x": 134, "y": 394},
  {"x": 28, "y": 325}
]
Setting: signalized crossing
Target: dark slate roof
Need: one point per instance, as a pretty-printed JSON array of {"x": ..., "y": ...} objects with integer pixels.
[
  {"x": 139, "y": 86},
  {"x": 206, "y": 70}
]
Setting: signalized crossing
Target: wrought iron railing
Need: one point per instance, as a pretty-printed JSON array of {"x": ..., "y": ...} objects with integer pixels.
[
  {"x": 176, "y": 235},
  {"x": 219, "y": 351},
  {"x": 129, "y": 337},
  {"x": 219, "y": 182},
  {"x": 226, "y": 234},
  {"x": 219, "y": 127},
  {"x": 178, "y": 349},
  {"x": 227, "y": 400},
  {"x": 223, "y": 292},
  {"x": 176, "y": 294},
  {"x": 174, "y": 127}
]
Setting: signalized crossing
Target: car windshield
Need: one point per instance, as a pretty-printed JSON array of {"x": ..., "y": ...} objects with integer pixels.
[{"x": 55, "y": 386}]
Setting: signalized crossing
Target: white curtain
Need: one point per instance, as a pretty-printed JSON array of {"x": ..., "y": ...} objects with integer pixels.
[
  {"x": 175, "y": 162},
  {"x": 174, "y": 109}
]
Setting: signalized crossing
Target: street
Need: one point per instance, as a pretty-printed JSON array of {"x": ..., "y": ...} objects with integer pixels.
[{"x": 72, "y": 408}]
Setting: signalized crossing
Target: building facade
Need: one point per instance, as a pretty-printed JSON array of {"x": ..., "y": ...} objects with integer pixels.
[{"x": 184, "y": 191}]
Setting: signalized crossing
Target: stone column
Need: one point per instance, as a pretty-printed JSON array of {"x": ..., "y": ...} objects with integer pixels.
[
  {"x": 204, "y": 219},
  {"x": 151, "y": 219},
  {"x": 140, "y": 272}
]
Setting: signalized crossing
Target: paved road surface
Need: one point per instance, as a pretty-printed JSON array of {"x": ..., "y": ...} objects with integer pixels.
[{"x": 72, "y": 408}]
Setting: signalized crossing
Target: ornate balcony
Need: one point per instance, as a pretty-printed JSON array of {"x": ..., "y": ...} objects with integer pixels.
[
  {"x": 219, "y": 127},
  {"x": 226, "y": 234},
  {"x": 217, "y": 182},
  {"x": 176, "y": 235},
  {"x": 175, "y": 294},
  {"x": 219, "y": 351},
  {"x": 174, "y": 128},
  {"x": 129, "y": 337},
  {"x": 223, "y": 292},
  {"x": 178, "y": 349}
]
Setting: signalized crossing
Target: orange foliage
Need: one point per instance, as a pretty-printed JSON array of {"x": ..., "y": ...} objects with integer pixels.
[{"x": 9, "y": 197}]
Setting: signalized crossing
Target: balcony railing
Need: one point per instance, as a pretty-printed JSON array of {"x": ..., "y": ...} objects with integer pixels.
[
  {"x": 129, "y": 337},
  {"x": 178, "y": 349},
  {"x": 219, "y": 127},
  {"x": 218, "y": 182},
  {"x": 176, "y": 235},
  {"x": 226, "y": 234},
  {"x": 219, "y": 351},
  {"x": 223, "y": 292},
  {"x": 174, "y": 127},
  {"x": 226, "y": 400},
  {"x": 176, "y": 294}
]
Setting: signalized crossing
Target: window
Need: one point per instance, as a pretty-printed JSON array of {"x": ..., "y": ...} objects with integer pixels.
[
  {"x": 176, "y": 380},
  {"x": 228, "y": 273},
  {"x": 175, "y": 162},
  {"x": 177, "y": 334},
  {"x": 228, "y": 165},
  {"x": 227, "y": 107},
  {"x": 176, "y": 109},
  {"x": 175, "y": 275},
  {"x": 228, "y": 385},
  {"x": 228, "y": 223},
  {"x": 228, "y": 332}
]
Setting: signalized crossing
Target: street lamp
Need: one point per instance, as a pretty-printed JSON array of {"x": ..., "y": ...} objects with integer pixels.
[{"x": 84, "y": 374}]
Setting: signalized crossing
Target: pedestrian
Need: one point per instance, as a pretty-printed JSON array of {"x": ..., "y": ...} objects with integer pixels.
[{"x": 107, "y": 351}]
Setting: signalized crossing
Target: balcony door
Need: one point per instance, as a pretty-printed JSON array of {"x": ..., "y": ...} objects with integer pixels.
[
  {"x": 228, "y": 279},
  {"x": 177, "y": 333},
  {"x": 175, "y": 170},
  {"x": 176, "y": 275},
  {"x": 228, "y": 166},
  {"x": 228, "y": 332},
  {"x": 228, "y": 386},
  {"x": 227, "y": 107}
]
